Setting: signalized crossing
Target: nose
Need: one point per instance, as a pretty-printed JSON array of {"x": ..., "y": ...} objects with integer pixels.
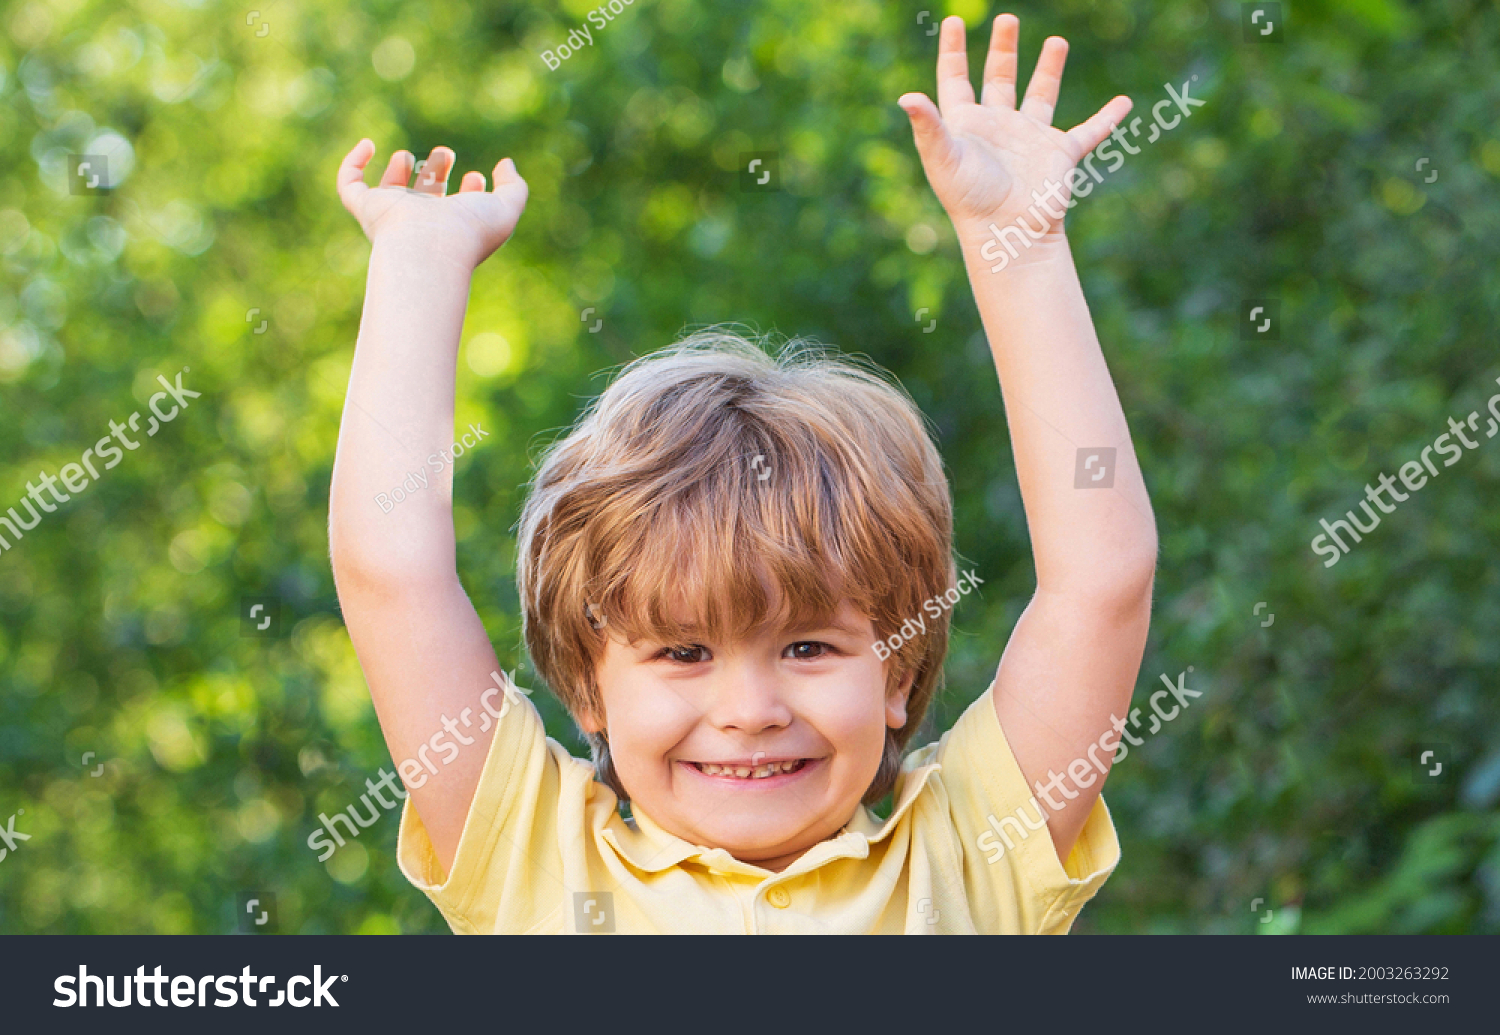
[{"x": 748, "y": 699}]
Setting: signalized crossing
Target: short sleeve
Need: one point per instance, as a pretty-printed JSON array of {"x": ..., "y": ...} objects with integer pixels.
[
  {"x": 1013, "y": 879},
  {"x": 509, "y": 841}
]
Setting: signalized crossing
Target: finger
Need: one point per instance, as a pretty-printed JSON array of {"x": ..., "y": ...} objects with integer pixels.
[
  {"x": 433, "y": 178},
  {"x": 1090, "y": 134},
  {"x": 505, "y": 174},
  {"x": 508, "y": 183},
  {"x": 1046, "y": 79},
  {"x": 472, "y": 181},
  {"x": 398, "y": 170},
  {"x": 934, "y": 143},
  {"x": 351, "y": 177},
  {"x": 953, "y": 87},
  {"x": 1000, "y": 64}
]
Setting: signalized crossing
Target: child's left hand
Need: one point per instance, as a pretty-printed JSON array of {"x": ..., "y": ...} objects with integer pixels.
[{"x": 984, "y": 160}]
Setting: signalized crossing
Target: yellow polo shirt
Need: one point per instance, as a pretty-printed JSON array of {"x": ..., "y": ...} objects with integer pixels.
[{"x": 544, "y": 851}]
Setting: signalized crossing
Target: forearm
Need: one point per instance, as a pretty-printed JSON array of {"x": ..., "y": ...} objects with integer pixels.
[
  {"x": 399, "y": 411},
  {"x": 1059, "y": 397}
]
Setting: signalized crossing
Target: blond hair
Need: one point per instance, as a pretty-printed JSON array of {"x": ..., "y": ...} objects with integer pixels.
[{"x": 710, "y": 472}]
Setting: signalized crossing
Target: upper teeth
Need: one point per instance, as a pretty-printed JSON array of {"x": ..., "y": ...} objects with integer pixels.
[{"x": 746, "y": 772}]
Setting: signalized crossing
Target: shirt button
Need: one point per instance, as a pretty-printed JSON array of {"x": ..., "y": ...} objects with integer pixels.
[{"x": 779, "y": 897}]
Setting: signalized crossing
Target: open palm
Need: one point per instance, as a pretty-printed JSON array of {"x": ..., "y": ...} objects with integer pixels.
[
  {"x": 984, "y": 159},
  {"x": 467, "y": 227}
]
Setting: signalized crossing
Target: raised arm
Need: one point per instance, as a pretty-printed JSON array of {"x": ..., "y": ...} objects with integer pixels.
[
  {"x": 1073, "y": 659},
  {"x": 424, "y": 652}
]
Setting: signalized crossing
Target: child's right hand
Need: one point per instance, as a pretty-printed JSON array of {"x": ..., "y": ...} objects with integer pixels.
[{"x": 468, "y": 226}]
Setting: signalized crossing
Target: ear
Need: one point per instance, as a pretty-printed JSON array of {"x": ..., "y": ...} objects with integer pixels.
[
  {"x": 895, "y": 702},
  {"x": 589, "y": 721}
]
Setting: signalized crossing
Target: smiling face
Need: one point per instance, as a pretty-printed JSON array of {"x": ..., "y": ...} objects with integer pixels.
[
  {"x": 704, "y": 563},
  {"x": 761, "y": 746}
]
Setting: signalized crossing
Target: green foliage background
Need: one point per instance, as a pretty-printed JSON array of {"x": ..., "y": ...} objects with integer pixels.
[{"x": 1289, "y": 780}]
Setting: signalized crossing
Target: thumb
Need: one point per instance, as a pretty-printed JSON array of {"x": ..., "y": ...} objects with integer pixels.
[
  {"x": 508, "y": 180},
  {"x": 351, "y": 176},
  {"x": 933, "y": 142},
  {"x": 506, "y": 173}
]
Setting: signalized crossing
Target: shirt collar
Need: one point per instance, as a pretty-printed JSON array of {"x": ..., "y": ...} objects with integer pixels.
[
  {"x": 864, "y": 822},
  {"x": 647, "y": 847}
]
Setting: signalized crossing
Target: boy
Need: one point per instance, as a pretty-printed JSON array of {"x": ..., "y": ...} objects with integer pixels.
[{"x": 708, "y": 564}]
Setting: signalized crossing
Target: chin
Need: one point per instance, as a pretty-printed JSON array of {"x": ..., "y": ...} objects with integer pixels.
[
  {"x": 755, "y": 837},
  {"x": 761, "y": 846},
  {"x": 749, "y": 832}
]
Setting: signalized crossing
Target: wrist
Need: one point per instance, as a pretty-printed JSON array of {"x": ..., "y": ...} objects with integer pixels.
[
  {"x": 992, "y": 246},
  {"x": 416, "y": 253}
]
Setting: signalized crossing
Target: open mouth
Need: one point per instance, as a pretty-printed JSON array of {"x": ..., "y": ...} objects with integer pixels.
[{"x": 750, "y": 772}]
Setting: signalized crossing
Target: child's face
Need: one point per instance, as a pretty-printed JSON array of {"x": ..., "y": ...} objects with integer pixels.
[{"x": 811, "y": 701}]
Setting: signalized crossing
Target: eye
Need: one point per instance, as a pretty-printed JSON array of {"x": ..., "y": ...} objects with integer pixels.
[
  {"x": 808, "y": 650},
  {"x": 684, "y": 655}
]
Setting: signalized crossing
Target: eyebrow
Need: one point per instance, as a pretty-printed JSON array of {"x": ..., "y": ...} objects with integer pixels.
[
  {"x": 841, "y": 626},
  {"x": 694, "y": 628}
]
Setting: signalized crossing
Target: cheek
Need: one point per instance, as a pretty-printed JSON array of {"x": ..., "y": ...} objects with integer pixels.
[
  {"x": 642, "y": 719},
  {"x": 645, "y": 723},
  {"x": 853, "y": 722}
]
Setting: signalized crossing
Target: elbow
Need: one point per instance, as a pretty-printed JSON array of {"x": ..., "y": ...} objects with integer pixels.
[
  {"x": 352, "y": 561},
  {"x": 363, "y": 582},
  {"x": 385, "y": 568},
  {"x": 1136, "y": 580},
  {"x": 1118, "y": 580},
  {"x": 1126, "y": 567},
  {"x": 1132, "y": 577},
  {"x": 1130, "y": 573}
]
